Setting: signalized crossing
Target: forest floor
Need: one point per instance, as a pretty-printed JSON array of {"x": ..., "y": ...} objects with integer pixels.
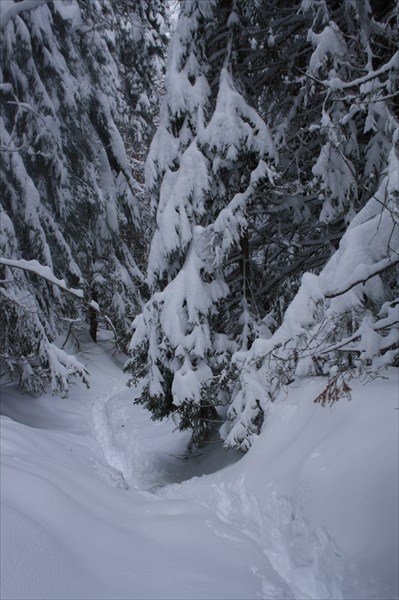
[{"x": 100, "y": 502}]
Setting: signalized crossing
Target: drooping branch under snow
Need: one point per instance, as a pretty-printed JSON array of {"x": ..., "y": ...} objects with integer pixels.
[
  {"x": 12, "y": 9},
  {"x": 33, "y": 266},
  {"x": 337, "y": 84},
  {"x": 368, "y": 272}
]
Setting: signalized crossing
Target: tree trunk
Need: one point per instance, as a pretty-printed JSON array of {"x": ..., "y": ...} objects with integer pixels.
[{"x": 93, "y": 317}]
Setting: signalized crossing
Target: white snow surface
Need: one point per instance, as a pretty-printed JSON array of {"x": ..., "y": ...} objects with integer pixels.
[{"x": 98, "y": 501}]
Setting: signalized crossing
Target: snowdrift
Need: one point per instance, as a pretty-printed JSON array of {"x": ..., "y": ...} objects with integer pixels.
[{"x": 99, "y": 502}]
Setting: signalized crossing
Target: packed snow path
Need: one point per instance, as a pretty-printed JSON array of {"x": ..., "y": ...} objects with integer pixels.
[{"x": 97, "y": 501}]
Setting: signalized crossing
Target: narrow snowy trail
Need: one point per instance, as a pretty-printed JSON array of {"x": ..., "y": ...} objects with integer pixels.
[
  {"x": 97, "y": 501},
  {"x": 73, "y": 527}
]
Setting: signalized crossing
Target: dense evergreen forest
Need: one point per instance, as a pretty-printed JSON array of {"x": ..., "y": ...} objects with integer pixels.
[{"x": 220, "y": 192}]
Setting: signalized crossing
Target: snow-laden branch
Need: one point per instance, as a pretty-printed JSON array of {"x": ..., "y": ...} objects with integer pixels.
[
  {"x": 362, "y": 274},
  {"x": 26, "y": 106},
  {"x": 10, "y": 9},
  {"x": 337, "y": 84},
  {"x": 344, "y": 344},
  {"x": 33, "y": 266}
]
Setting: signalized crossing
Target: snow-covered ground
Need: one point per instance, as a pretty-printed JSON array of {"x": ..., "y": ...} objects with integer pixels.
[{"x": 98, "y": 501}]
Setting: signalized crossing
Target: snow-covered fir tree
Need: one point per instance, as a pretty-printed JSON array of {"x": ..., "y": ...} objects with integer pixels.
[
  {"x": 233, "y": 238},
  {"x": 209, "y": 155},
  {"x": 78, "y": 85},
  {"x": 343, "y": 322},
  {"x": 294, "y": 48}
]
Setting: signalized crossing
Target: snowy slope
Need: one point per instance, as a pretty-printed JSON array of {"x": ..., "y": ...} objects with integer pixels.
[
  {"x": 318, "y": 492},
  {"x": 94, "y": 502}
]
